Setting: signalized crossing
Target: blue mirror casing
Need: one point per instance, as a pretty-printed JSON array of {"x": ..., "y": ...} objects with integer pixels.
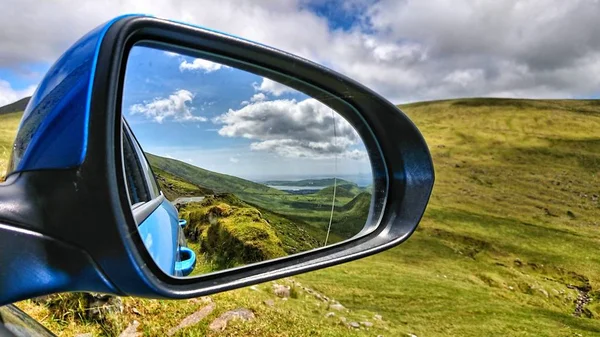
[{"x": 65, "y": 197}]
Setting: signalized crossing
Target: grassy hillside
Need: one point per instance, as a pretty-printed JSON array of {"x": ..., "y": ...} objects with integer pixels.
[
  {"x": 509, "y": 240},
  {"x": 226, "y": 232},
  {"x": 507, "y": 247},
  {"x": 347, "y": 190},
  {"x": 174, "y": 187},
  {"x": 9, "y": 122},
  {"x": 17, "y": 106},
  {"x": 220, "y": 183},
  {"x": 313, "y": 210}
]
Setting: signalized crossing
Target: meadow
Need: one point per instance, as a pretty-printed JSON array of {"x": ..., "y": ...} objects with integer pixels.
[{"x": 507, "y": 247}]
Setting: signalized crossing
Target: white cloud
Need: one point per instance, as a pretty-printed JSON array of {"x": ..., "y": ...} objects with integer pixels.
[
  {"x": 406, "y": 50},
  {"x": 175, "y": 107},
  {"x": 9, "y": 95},
  {"x": 244, "y": 103},
  {"x": 272, "y": 87},
  {"x": 201, "y": 65},
  {"x": 289, "y": 128},
  {"x": 258, "y": 97},
  {"x": 234, "y": 160}
]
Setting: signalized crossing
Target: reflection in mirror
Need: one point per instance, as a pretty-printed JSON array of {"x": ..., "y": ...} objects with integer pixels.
[{"x": 256, "y": 169}]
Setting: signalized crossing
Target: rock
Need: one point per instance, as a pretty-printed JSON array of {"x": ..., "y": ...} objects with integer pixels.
[
  {"x": 131, "y": 330},
  {"x": 88, "y": 334},
  {"x": 269, "y": 303},
  {"x": 135, "y": 311},
  {"x": 367, "y": 324},
  {"x": 281, "y": 290},
  {"x": 100, "y": 305},
  {"x": 543, "y": 291},
  {"x": 411, "y": 335},
  {"x": 193, "y": 318},
  {"x": 378, "y": 317},
  {"x": 255, "y": 288},
  {"x": 329, "y": 314},
  {"x": 337, "y": 306},
  {"x": 511, "y": 288},
  {"x": 343, "y": 319},
  {"x": 220, "y": 323},
  {"x": 355, "y": 325}
]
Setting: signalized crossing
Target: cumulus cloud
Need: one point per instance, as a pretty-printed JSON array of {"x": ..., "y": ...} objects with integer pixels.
[
  {"x": 175, "y": 107},
  {"x": 258, "y": 97},
  {"x": 406, "y": 50},
  {"x": 292, "y": 129},
  {"x": 9, "y": 95},
  {"x": 200, "y": 65},
  {"x": 272, "y": 87}
]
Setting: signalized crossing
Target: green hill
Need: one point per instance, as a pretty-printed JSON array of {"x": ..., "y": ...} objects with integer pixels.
[
  {"x": 18, "y": 106},
  {"x": 174, "y": 187},
  {"x": 508, "y": 244},
  {"x": 217, "y": 182},
  {"x": 347, "y": 190},
  {"x": 307, "y": 182},
  {"x": 9, "y": 122}
]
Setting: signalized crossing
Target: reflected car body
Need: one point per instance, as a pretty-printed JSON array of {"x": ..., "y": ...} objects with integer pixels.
[{"x": 159, "y": 225}]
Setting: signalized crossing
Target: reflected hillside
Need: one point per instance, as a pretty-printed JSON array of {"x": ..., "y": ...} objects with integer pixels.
[{"x": 240, "y": 222}]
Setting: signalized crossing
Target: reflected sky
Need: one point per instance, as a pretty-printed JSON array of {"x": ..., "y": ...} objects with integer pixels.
[{"x": 230, "y": 121}]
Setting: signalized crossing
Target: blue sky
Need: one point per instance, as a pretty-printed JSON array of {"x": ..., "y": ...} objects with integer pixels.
[{"x": 231, "y": 121}]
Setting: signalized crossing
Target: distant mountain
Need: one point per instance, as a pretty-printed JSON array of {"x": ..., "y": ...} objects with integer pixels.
[
  {"x": 16, "y": 106},
  {"x": 308, "y": 182}
]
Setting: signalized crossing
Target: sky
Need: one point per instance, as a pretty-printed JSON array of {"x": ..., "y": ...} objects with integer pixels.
[
  {"x": 231, "y": 121},
  {"x": 406, "y": 50}
]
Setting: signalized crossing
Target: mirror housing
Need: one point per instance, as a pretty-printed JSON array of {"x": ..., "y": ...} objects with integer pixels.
[{"x": 65, "y": 198}]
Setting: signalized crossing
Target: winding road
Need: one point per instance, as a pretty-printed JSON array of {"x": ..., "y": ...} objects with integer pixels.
[{"x": 185, "y": 200}]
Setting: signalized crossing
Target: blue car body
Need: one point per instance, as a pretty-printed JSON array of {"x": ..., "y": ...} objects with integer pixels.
[{"x": 46, "y": 140}]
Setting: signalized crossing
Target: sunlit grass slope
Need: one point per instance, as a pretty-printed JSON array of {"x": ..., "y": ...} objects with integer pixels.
[
  {"x": 8, "y": 129},
  {"x": 508, "y": 243}
]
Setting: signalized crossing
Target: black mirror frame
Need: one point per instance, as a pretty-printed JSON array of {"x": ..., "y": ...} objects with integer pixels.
[{"x": 113, "y": 258}]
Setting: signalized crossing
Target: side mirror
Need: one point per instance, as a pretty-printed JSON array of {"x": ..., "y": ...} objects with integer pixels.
[{"x": 81, "y": 209}]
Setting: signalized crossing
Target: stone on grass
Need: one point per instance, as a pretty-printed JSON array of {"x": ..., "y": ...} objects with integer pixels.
[
  {"x": 367, "y": 324},
  {"x": 354, "y": 325},
  {"x": 131, "y": 330},
  {"x": 281, "y": 290},
  {"x": 269, "y": 303},
  {"x": 193, "y": 318},
  {"x": 337, "y": 306},
  {"x": 329, "y": 314},
  {"x": 221, "y": 322}
]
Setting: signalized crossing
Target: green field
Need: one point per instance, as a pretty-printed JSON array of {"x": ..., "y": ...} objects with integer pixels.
[
  {"x": 8, "y": 130},
  {"x": 312, "y": 211},
  {"x": 507, "y": 245}
]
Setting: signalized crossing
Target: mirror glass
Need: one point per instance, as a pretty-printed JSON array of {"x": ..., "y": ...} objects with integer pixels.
[{"x": 249, "y": 169}]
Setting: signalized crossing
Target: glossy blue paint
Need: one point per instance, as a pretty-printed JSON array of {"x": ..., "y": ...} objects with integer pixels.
[
  {"x": 160, "y": 233},
  {"x": 182, "y": 223},
  {"x": 187, "y": 263},
  {"x": 53, "y": 130}
]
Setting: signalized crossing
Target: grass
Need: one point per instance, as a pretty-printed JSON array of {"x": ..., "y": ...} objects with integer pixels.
[
  {"x": 312, "y": 209},
  {"x": 8, "y": 130},
  {"x": 509, "y": 235}
]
